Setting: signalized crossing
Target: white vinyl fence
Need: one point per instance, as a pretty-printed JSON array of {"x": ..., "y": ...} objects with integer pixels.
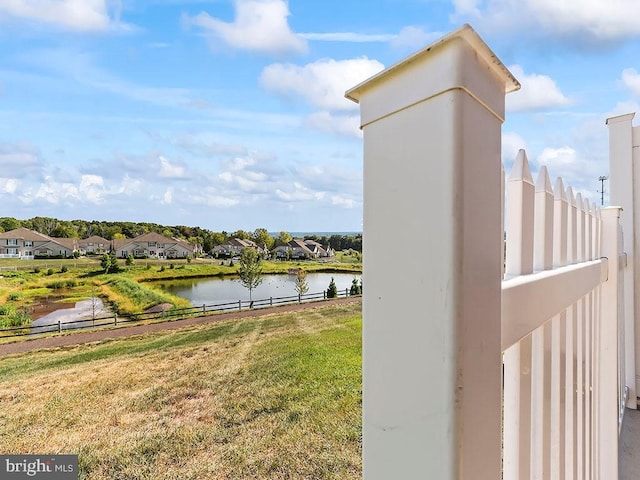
[{"x": 516, "y": 364}]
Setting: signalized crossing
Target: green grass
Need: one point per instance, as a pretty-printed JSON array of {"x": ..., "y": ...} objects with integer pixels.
[{"x": 276, "y": 397}]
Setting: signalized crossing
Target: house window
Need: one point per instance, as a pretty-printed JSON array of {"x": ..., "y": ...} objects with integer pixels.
[
  {"x": 161, "y": 245},
  {"x": 91, "y": 244},
  {"x": 28, "y": 253},
  {"x": 12, "y": 241},
  {"x": 28, "y": 243},
  {"x": 12, "y": 251},
  {"x": 123, "y": 253},
  {"x": 152, "y": 253},
  {"x": 152, "y": 244}
]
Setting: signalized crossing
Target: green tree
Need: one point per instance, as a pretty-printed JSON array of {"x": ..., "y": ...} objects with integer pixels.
[
  {"x": 283, "y": 238},
  {"x": 302, "y": 286},
  {"x": 250, "y": 270},
  {"x": 261, "y": 237},
  {"x": 109, "y": 263},
  {"x": 332, "y": 291},
  {"x": 129, "y": 261},
  {"x": 9, "y": 223},
  {"x": 355, "y": 287},
  {"x": 241, "y": 234}
]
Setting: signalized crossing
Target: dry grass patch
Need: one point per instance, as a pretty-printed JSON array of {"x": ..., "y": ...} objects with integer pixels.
[{"x": 277, "y": 397}]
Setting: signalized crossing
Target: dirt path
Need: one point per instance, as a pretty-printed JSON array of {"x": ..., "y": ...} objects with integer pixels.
[{"x": 98, "y": 335}]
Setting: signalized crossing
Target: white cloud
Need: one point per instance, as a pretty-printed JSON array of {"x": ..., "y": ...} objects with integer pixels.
[
  {"x": 344, "y": 201},
  {"x": 299, "y": 193},
  {"x": 211, "y": 197},
  {"x": 577, "y": 171},
  {"x": 128, "y": 186},
  {"x": 322, "y": 83},
  {"x": 343, "y": 125},
  {"x": 259, "y": 26},
  {"x": 92, "y": 188},
  {"x": 631, "y": 79},
  {"x": 167, "y": 198},
  {"x": 466, "y": 7},
  {"x": 169, "y": 170},
  {"x": 588, "y": 20},
  {"x": 558, "y": 158},
  {"x": 75, "y": 15},
  {"x": 537, "y": 92},
  {"x": 8, "y": 185},
  {"x": 409, "y": 37},
  {"x": 414, "y": 38},
  {"x": 511, "y": 143}
]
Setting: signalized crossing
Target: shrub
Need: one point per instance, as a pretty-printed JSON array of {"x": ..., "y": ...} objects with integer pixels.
[
  {"x": 13, "y": 296},
  {"x": 355, "y": 287},
  {"x": 63, "y": 269},
  {"x": 172, "y": 266},
  {"x": 161, "y": 269},
  {"x": 56, "y": 285},
  {"x": 36, "y": 270},
  {"x": 10, "y": 317},
  {"x": 50, "y": 271},
  {"x": 332, "y": 291}
]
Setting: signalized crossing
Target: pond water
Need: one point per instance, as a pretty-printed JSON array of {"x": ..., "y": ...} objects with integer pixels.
[
  {"x": 213, "y": 291},
  {"x": 69, "y": 314}
]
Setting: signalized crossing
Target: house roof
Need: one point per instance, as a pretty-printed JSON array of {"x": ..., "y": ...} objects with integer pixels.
[
  {"x": 68, "y": 243},
  {"x": 94, "y": 239},
  {"x": 25, "y": 234},
  {"x": 298, "y": 243},
  {"x": 151, "y": 238}
]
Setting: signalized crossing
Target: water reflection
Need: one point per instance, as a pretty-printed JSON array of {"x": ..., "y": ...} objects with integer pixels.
[{"x": 213, "y": 291}]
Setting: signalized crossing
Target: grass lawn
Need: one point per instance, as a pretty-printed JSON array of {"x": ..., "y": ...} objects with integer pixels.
[{"x": 277, "y": 397}]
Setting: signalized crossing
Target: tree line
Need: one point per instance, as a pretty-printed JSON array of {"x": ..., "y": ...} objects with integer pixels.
[{"x": 53, "y": 227}]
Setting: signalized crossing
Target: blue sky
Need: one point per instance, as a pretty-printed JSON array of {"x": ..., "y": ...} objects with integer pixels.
[{"x": 229, "y": 114}]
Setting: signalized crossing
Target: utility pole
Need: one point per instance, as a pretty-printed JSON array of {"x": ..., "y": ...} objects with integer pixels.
[{"x": 602, "y": 180}]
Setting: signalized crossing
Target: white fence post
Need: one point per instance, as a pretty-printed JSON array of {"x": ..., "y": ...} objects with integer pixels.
[
  {"x": 624, "y": 179},
  {"x": 432, "y": 371},
  {"x": 607, "y": 413}
]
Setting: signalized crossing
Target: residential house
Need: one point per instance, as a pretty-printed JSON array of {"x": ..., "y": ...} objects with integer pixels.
[
  {"x": 323, "y": 252},
  {"x": 235, "y": 246},
  {"x": 94, "y": 245},
  {"x": 27, "y": 244},
  {"x": 154, "y": 245},
  {"x": 302, "y": 249}
]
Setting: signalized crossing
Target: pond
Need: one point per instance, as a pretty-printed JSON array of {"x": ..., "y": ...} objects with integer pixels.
[
  {"x": 213, "y": 291},
  {"x": 68, "y": 315}
]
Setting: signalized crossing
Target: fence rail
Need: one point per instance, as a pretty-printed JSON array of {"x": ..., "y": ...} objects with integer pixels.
[{"x": 167, "y": 315}]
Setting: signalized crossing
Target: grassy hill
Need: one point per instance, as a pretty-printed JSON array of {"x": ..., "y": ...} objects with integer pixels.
[{"x": 276, "y": 397}]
